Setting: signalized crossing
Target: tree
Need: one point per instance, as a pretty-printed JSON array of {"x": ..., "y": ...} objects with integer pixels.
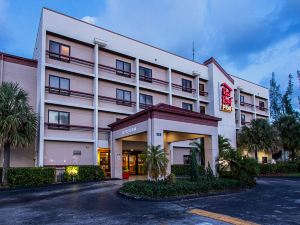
[
  {"x": 194, "y": 166},
  {"x": 199, "y": 148},
  {"x": 18, "y": 122},
  {"x": 287, "y": 107},
  {"x": 156, "y": 162},
  {"x": 289, "y": 132},
  {"x": 224, "y": 144},
  {"x": 275, "y": 98},
  {"x": 259, "y": 136}
]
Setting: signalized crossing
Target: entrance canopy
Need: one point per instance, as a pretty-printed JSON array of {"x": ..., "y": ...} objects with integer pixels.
[{"x": 161, "y": 125}]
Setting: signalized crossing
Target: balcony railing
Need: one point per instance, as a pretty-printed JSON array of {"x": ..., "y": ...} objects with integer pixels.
[
  {"x": 203, "y": 93},
  {"x": 116, "y": 101},
  {"x": 116, "y": 71},
  {"x": 246, "y": 104},
  {"x": 183, "y": 88},
  {"x": 67, "y": 92},
  {"x": 153, "y": 80},
  {"x": 69, "y": 59},
  {"x": 262, "y": 108},
  {"x": 245, "y": 122},
  {"x": 145, "y": 106},
  {"x": 68, "y": 127}
]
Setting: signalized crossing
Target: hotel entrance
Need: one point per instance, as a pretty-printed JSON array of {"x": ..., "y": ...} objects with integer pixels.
[
  {"x": 133, "y": 162},
  {"x": 104, "y": 160}
]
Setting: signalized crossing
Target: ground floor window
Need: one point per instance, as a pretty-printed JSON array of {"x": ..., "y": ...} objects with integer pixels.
[
  {"x": 104, "y": 159},
  {"x": 186, "y": 159}
]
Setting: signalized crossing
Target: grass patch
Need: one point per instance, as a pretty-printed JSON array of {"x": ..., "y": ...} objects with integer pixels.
[{"x": 166, "y": 189}]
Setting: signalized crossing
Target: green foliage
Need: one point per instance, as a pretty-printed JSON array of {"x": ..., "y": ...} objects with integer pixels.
[
  {"x": 198, "y": 146},
  {"x": 278, "y": 168},
  {"x": 18, "y": 122},
  {"x": 30, "y": 176},
  {"x": 224, "y": 143},
  {"x": 171, "y": 178},
  {"x": 156, "y": 162},
  {"x": 287, "y": 107},
  {"x": 164, "y": 189},
  {"x": 194, "y": 166},
  {"x": 209, "y": 171},
  {"x": 241, "y": 168},
  {"x": 84, "y": 173},
  {"x": 259, "y": 136},
  {"x": 275, "y": 98},
  {"x": 185, "y": 170},
  {"x": 288, "y": 127}
]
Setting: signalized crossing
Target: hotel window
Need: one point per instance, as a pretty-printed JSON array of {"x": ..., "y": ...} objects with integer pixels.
[
  {"x": 261, "y": 105},
  {"x": 201, "y": 89},
  {"x": 59, "y": 51},
  {"x": 123, "y": 68},
  {"x": 145, "y": 74},
  {"x": 202, "y": 109},
  {"x": 243, "y": 119},
  {"x": 242, "y": 100},
  {"x": 123, "y": 97},
  {"x": 59, "y": 85},
  {"x": 186, "y": 85},
  {"x": 186, "y": 159},
  {"x": 58, "y": 119},
  {"x": 187, "y": 106},
  {"x": 264, "y": 160},
  {"x": 146, "y": 100}
]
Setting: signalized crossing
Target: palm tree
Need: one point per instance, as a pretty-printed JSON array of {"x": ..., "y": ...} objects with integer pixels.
[
  {"x": 289, "y": 130},
  {"x": 18, "y": 122},
  {"x": 224, "y": 144},
  {"x": 156, "y": 162},
  {"x": 198, "y": 146},
  {"x": 259, "y": 136}
]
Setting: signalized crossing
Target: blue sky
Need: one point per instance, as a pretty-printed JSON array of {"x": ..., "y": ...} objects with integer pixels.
[{"x": 249, "y": 38}]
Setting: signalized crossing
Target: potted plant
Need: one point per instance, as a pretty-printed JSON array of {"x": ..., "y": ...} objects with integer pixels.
[{"x": 125, "y": 173}]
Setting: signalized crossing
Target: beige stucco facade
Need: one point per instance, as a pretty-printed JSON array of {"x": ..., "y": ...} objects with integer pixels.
[{"x": 91, "y": 70}]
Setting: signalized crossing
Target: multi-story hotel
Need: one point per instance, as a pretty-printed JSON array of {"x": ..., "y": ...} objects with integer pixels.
[{"x": 103, "y": 97}]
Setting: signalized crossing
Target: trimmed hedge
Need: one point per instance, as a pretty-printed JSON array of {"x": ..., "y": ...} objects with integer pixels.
[
  {"x": 84, "y": 173},
  {"x": 185, "y": 170},
  {"x": 30, "y": 176},
  {"x": 165, "y": 189},
  {"x": 278, "y": 168}
]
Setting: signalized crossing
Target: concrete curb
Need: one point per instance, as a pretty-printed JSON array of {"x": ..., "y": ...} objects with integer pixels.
[{"x": 181, "y": 198}]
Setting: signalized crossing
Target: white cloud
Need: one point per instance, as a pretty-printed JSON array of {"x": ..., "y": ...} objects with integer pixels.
[{"x": 89, "y": 19}]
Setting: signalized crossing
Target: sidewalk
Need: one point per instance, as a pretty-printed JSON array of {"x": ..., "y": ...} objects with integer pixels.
[{"x": 37, "y": 193}]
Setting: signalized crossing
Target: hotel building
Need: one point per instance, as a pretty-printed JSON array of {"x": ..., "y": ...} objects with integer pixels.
[{"x": 103, "y": 97}]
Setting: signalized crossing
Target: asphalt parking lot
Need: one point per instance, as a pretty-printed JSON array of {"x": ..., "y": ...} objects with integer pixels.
[{"x": 273, "y": 201}]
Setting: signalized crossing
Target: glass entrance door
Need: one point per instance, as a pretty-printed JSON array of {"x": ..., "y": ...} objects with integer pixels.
[{"x": 132, "y": 164}]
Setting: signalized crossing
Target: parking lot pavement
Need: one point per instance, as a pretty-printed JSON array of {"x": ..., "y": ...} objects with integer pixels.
[{"x": 273, "y": 201}]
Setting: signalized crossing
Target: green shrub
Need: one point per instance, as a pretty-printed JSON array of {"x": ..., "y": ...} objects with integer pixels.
[
  {"x": 164, "y": 189},
  {"x": 194, "y": 169},
  {"x": 84, "y": 173},
  {"x": 30, "y": 176},
  {"x": 185, "y": 170},
  {"x": 278, "y": 168}
]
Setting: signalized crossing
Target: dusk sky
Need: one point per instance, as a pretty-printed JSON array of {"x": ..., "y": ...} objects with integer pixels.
[{"x": 249, "y": 38}]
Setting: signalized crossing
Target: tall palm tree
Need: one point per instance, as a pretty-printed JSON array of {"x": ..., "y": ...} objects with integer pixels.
[
  {"x": 18, "y": 122},
  {"x": 224, "y": 144},
  {"x": 156, "y": 162},
  {"x": 259, "y": 136},
  {"x": 198, "y": 146}
]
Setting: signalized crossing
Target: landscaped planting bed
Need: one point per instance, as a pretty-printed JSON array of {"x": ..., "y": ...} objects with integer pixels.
[
  {"x": 278, "y": 168},
  {"x": 185, "y": 170},
  {"x": 181, "y": 188}
]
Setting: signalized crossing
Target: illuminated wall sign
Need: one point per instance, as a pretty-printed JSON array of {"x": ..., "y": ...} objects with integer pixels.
[
  {"x": 130, "y": 130},
  {"x": 226, "y": 99}
]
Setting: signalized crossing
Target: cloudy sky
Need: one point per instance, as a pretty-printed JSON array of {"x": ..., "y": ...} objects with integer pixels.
[{"x": 249, "y": 38}]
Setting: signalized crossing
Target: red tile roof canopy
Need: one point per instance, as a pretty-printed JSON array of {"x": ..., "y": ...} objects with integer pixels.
[
  {"x": 212, "y": 60},
  {"x": 166, "y": 112},
  {"x": 18, "y": 60}
]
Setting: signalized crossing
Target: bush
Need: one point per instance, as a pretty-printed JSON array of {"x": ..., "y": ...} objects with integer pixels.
[
  {"x": 279, "y": 168},
  {"x": 185, "y": 170},
  {"x": 84, "y": 173},
  {"x": 164, "y": 189},
  {"x": 0, "y": 174},
  {"x": 30, "y": 176}
]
